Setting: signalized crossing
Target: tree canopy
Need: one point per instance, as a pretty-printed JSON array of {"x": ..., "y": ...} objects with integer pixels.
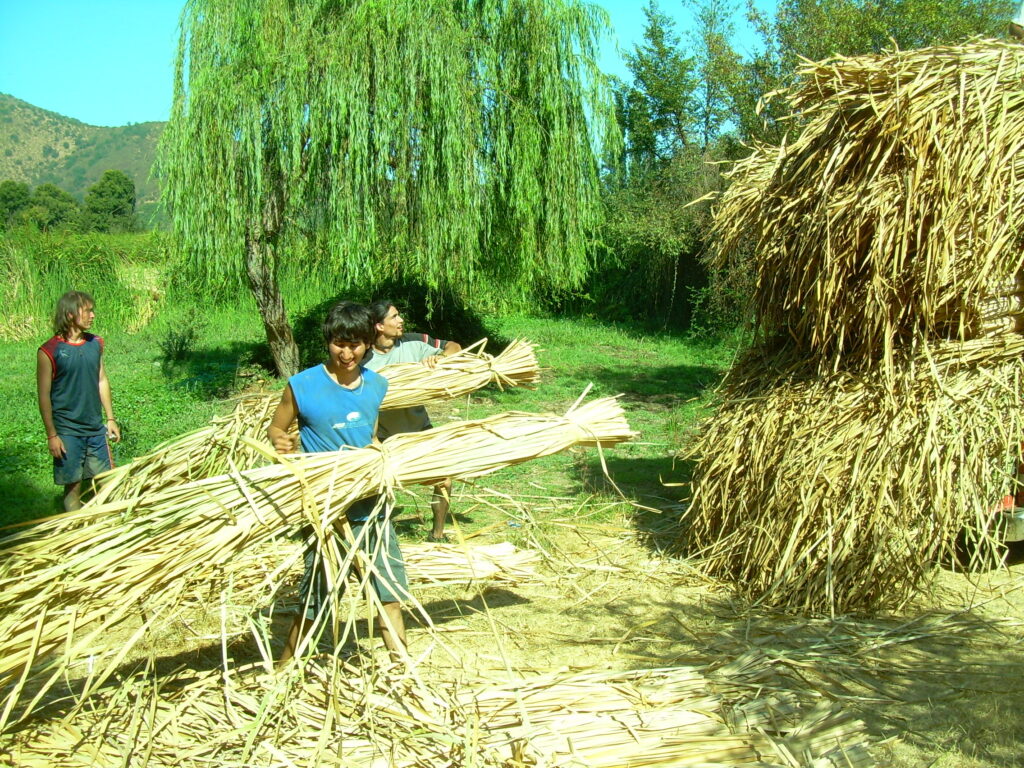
[
  {"x": 443, "y": 140},
  {"x": 110, "y": 203},
  {"x": 816, "y": 29},
  {"x": 14, "y": 198},
  {"x": 50, "y": 207}
]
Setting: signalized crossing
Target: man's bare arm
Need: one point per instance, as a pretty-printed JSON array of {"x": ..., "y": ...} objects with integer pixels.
[
  {"x": 286, "y": 413},
  {"x": 44, "y": 381},
  {"x": 108, "y": 405}
]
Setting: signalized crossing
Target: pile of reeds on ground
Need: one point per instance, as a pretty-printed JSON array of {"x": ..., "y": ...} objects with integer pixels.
[
  {"x": 338, "y": 714},
  {"x": 839, "y": 492},
  {"x": 878, "y": 413},
  {"x": 257, "y": 575},
  {"x": 138, "y": 559},
  {"x": 221, "y": 446}
]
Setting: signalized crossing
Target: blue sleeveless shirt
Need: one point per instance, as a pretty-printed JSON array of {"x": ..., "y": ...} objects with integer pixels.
[{"x": 333, "y": 417}]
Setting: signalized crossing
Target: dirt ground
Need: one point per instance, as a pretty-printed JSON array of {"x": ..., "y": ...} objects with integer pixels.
[{"x": 941, "y": 684}]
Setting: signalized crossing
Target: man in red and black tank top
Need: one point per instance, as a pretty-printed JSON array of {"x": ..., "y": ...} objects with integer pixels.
[{"x": 74, "y": 397}]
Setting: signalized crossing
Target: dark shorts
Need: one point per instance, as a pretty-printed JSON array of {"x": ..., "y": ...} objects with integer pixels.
[
  {"x": 377, "y": 538},
  {"x": 84, "y": 457}
]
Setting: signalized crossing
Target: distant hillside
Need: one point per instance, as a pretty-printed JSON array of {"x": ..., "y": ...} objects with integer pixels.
[{"x": 37, "y": 147}]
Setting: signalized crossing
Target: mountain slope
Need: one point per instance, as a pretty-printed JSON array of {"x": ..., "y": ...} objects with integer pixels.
[{"x": 38, "y": 147}]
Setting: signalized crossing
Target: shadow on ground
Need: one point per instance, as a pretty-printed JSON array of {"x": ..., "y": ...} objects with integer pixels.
[
  {"x": 445, "y": 611},
  {"x": 221, "y": 371},
  {"x": 947, "y": 682},
  {"x": 415, "y": 521},
  {"x": 659, "y": 388},
  {"x": 21, "y": 489}
]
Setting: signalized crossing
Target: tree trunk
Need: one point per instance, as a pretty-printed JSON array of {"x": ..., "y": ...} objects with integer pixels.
[{"x": 260, "y": 262}]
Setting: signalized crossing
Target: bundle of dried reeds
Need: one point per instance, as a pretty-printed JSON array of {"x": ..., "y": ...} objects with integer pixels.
[
  {"x": 897, "y": 209},
  {"x": 439, "y": 564},
  {"x": 65, "y": 592},
  {"x": 839, "y": 493},
  {"x": 219, "y": 447},
  {"x": 679, "y": 716},
  {"x": 878, "y": 412}
]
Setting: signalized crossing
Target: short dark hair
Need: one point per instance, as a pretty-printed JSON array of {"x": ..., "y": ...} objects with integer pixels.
[
  {"x": 348, "y": 321},
  {"x": 379, "y": 309},
  {"x": 69, "y": 304}
]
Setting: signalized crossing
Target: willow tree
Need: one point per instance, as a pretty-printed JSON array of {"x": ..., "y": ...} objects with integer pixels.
[{"x": 452, "y": 141}]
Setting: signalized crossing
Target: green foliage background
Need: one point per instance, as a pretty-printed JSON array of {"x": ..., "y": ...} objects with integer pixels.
[{"x": 177, "y": 355}]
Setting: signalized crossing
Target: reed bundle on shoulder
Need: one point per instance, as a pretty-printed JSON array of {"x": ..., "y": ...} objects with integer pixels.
[
  {"x": 878, "y": 412},
  {"x": 219, "y": 447},
  {"x": 672, "y": 716},
  {"x": 64, "y": 593}
]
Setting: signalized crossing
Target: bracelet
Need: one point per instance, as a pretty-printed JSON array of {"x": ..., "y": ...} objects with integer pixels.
[
  {"x": 112, "y": 419},
  {"x": 50, "y": 437}
]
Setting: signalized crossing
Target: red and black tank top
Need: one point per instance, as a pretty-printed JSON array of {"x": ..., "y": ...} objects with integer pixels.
[{"x": 75, "y": 392}]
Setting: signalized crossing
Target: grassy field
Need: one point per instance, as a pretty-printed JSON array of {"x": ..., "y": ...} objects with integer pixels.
[
  {"x": 173, "y": 376},
  {"x": 938, "y": 685}
]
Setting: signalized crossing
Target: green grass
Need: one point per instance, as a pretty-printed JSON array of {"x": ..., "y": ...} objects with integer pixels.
[
  {"x": 665, "y": 382},
  {"x": 155, "y": 400},
  {"x": 180, "y": 371}
]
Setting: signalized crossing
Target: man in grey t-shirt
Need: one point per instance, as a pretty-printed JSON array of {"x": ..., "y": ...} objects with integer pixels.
[{"x": 390, "y": 347}]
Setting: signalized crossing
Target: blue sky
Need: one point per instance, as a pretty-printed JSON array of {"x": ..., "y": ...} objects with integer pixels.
[{"x": 109, "y": 62}]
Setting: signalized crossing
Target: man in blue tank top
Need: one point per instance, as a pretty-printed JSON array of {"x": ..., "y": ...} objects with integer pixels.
[
  {"x": 74, "y": 397},
  {"x": 336, "y": 405}
]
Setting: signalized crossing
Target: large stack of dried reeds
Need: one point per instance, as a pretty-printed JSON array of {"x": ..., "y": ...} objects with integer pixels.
[
  {"x": 64, "y": 592},
  {"x": 876, "y": 416},
  {"x": 896, "y": 210},
  {"x": 673, "y": 716},
  {"x": 219, "y": 447}
]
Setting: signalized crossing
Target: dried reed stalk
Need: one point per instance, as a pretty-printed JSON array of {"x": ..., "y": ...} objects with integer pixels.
[
  {"x": 219, "y": 447},
  {"x": 257, "y": 575},
  {"x": 678, "y": 716},
  {"x": 895, "y": 209},
  {"x": 64, "y": 593},
  {"x": 839, "y": 493}
]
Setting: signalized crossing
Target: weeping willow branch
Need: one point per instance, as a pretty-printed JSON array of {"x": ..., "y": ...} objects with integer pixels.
[{"x": 447, "y": 141}]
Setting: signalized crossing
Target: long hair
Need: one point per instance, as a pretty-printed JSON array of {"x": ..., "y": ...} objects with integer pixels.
[
  {"x": 379, "y": 310},
  {"x": 69, "y": 304}
]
